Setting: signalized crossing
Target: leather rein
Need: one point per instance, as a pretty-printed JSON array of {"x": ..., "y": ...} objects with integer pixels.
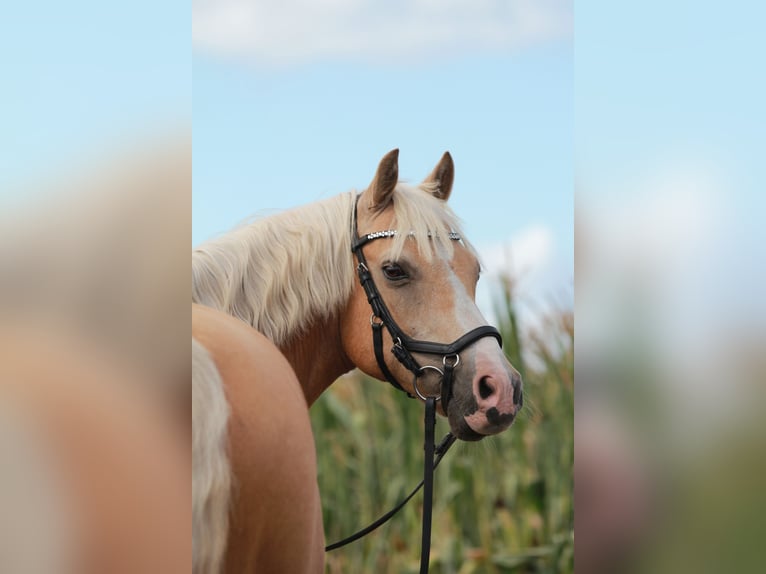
[{"x": 402, "y": 349}]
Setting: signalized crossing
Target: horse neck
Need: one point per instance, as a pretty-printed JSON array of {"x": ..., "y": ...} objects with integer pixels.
[
  {"x": 281, "y": 273},
  {"x": 317, "y": 358},
  {"x": 294, "y": 270}
]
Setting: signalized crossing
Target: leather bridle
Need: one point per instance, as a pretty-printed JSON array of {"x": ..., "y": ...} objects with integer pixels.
[
  {"x": 403, "y": 348},
  {"x": 404, "y": 345}
]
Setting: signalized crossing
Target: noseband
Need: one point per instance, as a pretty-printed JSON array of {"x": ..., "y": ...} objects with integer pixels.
[{"x": 404, "y": 345}]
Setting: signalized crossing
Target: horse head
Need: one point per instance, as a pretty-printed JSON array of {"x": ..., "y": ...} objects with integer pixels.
[{"x": 419, "y": 274}]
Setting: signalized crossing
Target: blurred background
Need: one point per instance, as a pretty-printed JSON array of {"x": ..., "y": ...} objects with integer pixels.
[
  {"x": 298, "y": 101},
  {"x": 669, "y": 141},
  {"x": 660, "y": 131}
]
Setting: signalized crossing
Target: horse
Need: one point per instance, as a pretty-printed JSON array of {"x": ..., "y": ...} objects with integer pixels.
[{"x": 282, "y": 307}]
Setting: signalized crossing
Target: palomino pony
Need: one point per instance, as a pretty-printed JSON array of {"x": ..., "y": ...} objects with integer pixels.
[{"x": 301, "y": 285}]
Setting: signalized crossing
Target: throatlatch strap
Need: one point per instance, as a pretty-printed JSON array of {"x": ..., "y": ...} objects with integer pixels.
[{"x": 428, "y": 480}]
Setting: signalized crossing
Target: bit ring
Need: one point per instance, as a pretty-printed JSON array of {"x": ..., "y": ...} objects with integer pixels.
[{"x": 415, "y": 381}]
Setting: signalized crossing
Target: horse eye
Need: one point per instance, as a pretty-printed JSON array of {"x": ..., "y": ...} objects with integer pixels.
[{"x": 394, "y": 272}]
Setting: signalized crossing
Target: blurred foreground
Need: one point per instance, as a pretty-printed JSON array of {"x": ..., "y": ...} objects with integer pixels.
[{"x": 94, "y": 369}]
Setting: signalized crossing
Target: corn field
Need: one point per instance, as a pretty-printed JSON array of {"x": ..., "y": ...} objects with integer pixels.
[{"x": 501, "y": 505}]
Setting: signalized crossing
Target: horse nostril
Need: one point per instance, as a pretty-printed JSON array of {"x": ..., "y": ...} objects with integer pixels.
[
  {"x": 485, "y": 391},
  {"x": 518, "y": 397}
]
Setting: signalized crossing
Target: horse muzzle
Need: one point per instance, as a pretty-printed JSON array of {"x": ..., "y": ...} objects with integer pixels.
[{"x": 497, "y": 398}]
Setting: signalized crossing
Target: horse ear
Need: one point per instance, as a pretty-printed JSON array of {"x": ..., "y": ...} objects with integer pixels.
[
  {"x": 384, "y": 182},
  {"x": 443, "y": 175}
]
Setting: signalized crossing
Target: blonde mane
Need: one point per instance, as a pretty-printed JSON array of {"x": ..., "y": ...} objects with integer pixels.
[{"x": 283, "y": 273}]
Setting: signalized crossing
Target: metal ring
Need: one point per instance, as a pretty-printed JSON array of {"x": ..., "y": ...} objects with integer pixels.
[
  {"x": 415, "y": 381},
  {"x": 457, "y": 360},
  {"x": 373, "y": 316}
]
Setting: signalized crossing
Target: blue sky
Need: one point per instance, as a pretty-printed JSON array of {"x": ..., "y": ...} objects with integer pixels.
[
  {"x": 298, "y": 119},
  {"x": 274, "y": 140},
  {"x": 81, "y": 76},
  {"x": 660, "y": 81},
  {"x": 669, "y": 101}
]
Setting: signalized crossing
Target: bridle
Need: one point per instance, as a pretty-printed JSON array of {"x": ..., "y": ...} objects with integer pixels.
[
  {"x": 404, "y": 345},
  {"x": 403, "y": 348}
]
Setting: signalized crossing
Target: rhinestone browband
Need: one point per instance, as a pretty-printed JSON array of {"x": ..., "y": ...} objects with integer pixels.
[{"x": 453, "y": 235}]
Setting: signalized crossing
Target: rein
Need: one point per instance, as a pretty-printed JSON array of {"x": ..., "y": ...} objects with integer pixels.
[{"x": 402, "y": 349}]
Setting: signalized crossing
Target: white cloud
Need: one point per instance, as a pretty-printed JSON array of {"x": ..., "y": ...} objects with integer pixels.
[
  {"x": 524, "y": 257},
  {"x": 524, "y": 254},
  {"x": 284, "y": 32}
]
